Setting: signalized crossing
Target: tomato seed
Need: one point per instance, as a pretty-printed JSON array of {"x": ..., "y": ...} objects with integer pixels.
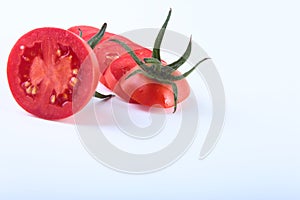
[
  {"x": 73, "y": 81},
  {"x": 75, "y": 71},
  {"x": 58, "y": 52},
  {"x": 52, "y": 99},
  {"x": 34, "y": 90},
  {"x": 26, "y": 84},
  {"x": 28, "y": 90}
]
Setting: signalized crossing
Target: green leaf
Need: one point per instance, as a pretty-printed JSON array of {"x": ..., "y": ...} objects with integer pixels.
[
  {"x": 175, "y": 65},
  {"x": 175, "y": 94},
  {"x": 188, "y": 72},
  {"x": 151, "y": 61},
  {"x": 158, "y": 41},
  {"x": 131, "y": 52},
  {"x": 80, "y": 32},
  {"x": 96, "y": 38},
  {"x": 103, "y": 96},
  {"x": 177, "y": 78}
]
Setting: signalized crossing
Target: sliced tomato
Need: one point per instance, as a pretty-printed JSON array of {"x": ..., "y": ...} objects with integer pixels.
[
  {"x": 52, "y": 73},
  {"x": 145, "y": 91},
  {"x": 140, "y": 89},
  {"x": 115, "y": 65}
]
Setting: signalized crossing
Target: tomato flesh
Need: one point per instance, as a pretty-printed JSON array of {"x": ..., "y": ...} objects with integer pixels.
[{"x": 52, "y": 73}]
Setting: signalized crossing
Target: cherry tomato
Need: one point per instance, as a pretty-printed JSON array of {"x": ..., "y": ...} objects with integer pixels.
[{"x": 52, "y": 73}]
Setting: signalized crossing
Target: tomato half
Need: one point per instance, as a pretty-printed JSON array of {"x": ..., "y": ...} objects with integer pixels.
[{"x": 52, "y": 73}]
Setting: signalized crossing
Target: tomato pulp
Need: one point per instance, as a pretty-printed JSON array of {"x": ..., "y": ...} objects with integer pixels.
[{"x": 52, "y": 73}]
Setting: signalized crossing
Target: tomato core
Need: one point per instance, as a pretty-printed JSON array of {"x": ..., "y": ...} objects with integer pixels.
[{"x": 35, "y": 69}]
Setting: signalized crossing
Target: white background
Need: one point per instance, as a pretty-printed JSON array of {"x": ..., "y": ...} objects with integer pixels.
[{"x": 255, "y": 46}]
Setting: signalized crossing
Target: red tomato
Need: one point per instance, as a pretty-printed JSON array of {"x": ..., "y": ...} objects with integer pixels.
[
  {"x": 140, "y": 89},
  {"x": 52, "y": 73}
]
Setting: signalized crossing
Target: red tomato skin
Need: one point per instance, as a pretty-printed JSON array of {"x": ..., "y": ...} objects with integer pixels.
[{"x": 87, "y": 75}]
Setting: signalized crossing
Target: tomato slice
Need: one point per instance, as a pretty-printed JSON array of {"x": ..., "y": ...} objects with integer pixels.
[{"x": 52, "y": 73}]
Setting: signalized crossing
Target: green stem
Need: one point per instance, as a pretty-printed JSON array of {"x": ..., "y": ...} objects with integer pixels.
[
  {"x": 96, "y": 38},
  {"x": 175, "y": 65},
  {"x": 103, "y": 96},
  {"x": 158, "y": 41}
]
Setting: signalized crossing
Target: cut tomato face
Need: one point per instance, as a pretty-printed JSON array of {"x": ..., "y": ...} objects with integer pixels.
[{"x": 52, "y": 73}]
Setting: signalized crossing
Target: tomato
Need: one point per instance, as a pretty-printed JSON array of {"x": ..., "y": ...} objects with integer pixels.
[
  {"x": 115, "y": 64},
  {"x": 139, "y": 75},
  {"x": 52, "y": 73},
  {"x": 140, "y": 89}
]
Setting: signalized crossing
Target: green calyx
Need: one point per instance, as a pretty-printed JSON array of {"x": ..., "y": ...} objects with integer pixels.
[{"x": 154, "y": 69}]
